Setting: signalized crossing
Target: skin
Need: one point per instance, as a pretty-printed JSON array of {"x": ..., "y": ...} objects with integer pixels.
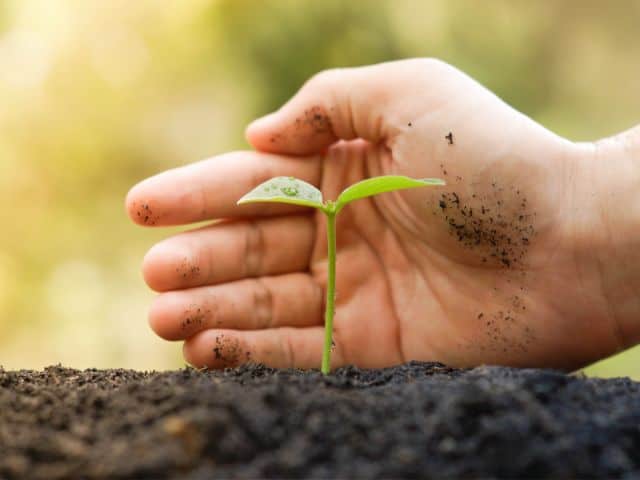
[{"x": 526, "y": 258}]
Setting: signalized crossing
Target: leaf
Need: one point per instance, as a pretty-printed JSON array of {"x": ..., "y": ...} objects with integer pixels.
[
  {"x": 388, "y": 183},
  {"x": 285, "y": 190}
]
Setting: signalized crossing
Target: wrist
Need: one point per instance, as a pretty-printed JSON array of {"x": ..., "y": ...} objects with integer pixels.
[{"x": 607, "y": 190}]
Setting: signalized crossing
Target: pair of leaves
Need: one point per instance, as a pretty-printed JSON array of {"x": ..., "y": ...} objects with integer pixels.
[{"x": 297, "y": 192}]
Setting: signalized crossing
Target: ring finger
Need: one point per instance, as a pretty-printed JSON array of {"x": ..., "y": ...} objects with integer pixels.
[{"x": 294, "y": 300}]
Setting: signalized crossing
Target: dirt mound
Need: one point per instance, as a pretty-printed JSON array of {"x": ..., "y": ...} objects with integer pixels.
[{"x": 415, "y": 420}]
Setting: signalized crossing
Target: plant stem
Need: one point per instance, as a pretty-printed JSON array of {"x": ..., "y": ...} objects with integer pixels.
[{"x": 331, "y": 292}]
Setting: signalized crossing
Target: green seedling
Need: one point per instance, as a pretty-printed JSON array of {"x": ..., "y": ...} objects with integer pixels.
[{"x": 297, "y": 192}]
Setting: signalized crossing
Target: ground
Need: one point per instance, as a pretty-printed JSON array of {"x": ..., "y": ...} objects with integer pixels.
[{"x": 415, "y": 420}]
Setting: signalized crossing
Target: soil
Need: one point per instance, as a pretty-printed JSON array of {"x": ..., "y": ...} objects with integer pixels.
[{"x": 415, "y": 420}]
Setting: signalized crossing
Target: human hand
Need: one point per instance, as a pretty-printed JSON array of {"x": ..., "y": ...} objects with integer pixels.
[{"x": 484, "y": 270}]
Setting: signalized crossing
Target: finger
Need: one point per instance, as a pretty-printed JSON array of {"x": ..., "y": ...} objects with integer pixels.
[
  {"x": 371, "y": 103},
  {"x": 231, "y": 251},
  {"x": 288, "y": 300},
  {"x": 210, "y": 189},
  {"x": 278, "y": 348}
]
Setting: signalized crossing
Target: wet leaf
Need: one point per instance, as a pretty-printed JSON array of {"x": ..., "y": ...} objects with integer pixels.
[
  {"x": 285, "y": 190},
  {"x": 388, "y": 183}
]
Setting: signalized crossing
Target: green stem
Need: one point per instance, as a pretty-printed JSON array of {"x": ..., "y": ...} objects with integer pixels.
[{"x": 331, "y": 292}]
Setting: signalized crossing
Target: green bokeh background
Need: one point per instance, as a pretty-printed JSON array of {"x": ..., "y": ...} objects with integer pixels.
[{"x": 96, "y": 95}]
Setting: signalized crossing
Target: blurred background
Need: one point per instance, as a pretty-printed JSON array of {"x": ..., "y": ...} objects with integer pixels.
[{"x": 97, "y": 95}]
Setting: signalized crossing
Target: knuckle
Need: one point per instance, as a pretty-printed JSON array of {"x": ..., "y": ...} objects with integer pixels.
[
  {"x": 318, "y": 295},
  {"x": 253, "y": 249},
  {"x": 430, "y": 65},
  {"x": 431, "y": 62},
  {"x": 262, "y": 305},
  {"x": 260, "y": 174},
  {"x": 325, "y": 77},
  {"x": 288, "y": 350}
]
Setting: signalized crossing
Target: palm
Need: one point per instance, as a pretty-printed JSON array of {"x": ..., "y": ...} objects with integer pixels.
[{"x": 447, "y": 274}]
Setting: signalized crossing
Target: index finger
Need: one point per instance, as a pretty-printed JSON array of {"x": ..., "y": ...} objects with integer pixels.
[{"x": 209, "y": 189}]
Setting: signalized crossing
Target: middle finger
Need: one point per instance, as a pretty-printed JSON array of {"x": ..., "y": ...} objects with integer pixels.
[{"x": 230, "y": 251}]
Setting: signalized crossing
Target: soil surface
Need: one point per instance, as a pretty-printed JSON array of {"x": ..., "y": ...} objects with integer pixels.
[{"x": 417, "y": 420}]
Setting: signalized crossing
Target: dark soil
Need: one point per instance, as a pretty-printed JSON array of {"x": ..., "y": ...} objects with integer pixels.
[{"x": 415, "y": 420}]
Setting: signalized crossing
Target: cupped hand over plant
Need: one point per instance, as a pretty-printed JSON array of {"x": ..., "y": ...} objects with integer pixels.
[{"x": 493, "y": 268}]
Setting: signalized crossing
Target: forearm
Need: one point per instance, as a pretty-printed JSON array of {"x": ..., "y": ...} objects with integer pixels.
[{"x": 612, "y": 191}]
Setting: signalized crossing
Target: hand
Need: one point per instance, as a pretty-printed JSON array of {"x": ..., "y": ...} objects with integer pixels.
[{"x": 484, "y": 270}]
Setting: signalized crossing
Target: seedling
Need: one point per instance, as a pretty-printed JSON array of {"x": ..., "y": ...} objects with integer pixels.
[{"x": 297, "y": 192}]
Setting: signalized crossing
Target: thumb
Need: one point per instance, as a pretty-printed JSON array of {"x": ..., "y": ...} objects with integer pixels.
[{"x": 340, "y": 104}]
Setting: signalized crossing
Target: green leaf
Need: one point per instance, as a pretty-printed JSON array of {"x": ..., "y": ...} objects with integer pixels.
[
  {"x": 388, "y": 183},
  {"x": 285, "y": 190}
]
